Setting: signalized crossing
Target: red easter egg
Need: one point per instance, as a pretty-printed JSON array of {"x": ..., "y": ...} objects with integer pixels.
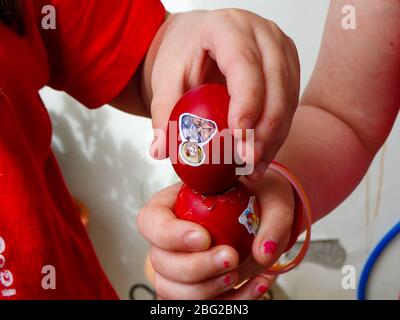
[
  {"x": 232, "y": 218},
  {"x": 201, "y": 147}
]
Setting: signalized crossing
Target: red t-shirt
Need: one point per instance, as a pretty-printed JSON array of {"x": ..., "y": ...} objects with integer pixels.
[{"x": 92, "y": 54}]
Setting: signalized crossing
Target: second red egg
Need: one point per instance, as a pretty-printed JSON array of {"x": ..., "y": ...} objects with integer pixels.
[{"x": 232, "y": 218}]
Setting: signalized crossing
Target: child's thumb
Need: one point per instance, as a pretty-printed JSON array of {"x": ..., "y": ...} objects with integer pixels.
[
  {"x": 160, "y": 113},
  {"x": 275, "y": 227}
]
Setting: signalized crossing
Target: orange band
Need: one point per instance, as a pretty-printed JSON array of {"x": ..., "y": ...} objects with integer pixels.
[{"x": 306, "y": 216}]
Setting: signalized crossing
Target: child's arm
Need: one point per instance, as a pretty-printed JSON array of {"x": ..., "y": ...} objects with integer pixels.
[{"x": 350, "y": 104}]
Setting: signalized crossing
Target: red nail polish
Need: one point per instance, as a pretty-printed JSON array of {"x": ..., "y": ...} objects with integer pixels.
[
  {"x": 227, "y": 280},
  {"x": 154, "y": 148},
  {"x": 270, "y": 247},
  {"x": 226, "y": 264},
  {"x": 262, "y": 289}
]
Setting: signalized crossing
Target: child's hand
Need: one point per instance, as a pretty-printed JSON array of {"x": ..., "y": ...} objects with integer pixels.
[
  {"x": 185, "y": 265},
  {"x": 256, "y": 59}
]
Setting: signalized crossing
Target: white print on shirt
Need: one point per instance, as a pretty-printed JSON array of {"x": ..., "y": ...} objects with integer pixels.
[
  {"x": 2, "y": 249},
  {"x": 8, "y": 293},
  {"x": 6, "y": 276},
  {"x": 49, "y": 280},
  {"x": 49, "y": 20}
]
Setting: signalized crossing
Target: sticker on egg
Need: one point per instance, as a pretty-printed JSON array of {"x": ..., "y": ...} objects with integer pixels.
[{"x": 201, "y": 146}]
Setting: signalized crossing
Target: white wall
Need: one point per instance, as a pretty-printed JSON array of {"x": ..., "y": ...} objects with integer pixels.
[{"x": 103, "y": 155}]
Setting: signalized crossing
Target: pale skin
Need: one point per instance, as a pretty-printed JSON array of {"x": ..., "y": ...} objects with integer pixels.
[
  {"x": 248, "y": 53},
  {"x": 345, "y": 115}
]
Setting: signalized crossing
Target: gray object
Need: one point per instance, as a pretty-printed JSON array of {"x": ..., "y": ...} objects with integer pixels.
[{"x": 328, "y": 253}]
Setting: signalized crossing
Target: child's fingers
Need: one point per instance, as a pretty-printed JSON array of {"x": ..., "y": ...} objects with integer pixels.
[
  {"x": 206, "y": 290},
  {"x": 277, "y": 209},
  {"x": 274, "y": 234},
  {"x": 163, "y": 102},
  {"x": 252, "y": 290},
  {"x": 282, "y": 73},
  {"x": 162, "y": 229},
  {"x": 167, "y": 86},
  {"x": 194, "y": 267},
  {"x": 238, "y": 57},
  {"x": 166, "y": 197},
  {"x": 245, "y": 85},
  {"x": 158, "y": 224}
]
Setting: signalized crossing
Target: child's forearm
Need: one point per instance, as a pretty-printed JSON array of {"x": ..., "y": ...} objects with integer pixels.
[
  {"x": 326, "y": 155},
  {"x": 349, "y": 106}
]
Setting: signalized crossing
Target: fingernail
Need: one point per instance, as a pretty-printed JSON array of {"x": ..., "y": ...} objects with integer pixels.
[
  {"x": 270, "y": 247},
  {"x": 194, "y": 240},
  {"x": 262, "y": 289},
  {"x": 154, "y": 147},
  {"x": 222, "y": 259},
  {"x": 246, "y": 123},
  {"x": 228, "y": 280}
]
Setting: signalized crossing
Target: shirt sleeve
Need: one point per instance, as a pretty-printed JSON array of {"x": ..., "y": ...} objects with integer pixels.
[{"x": 98, "y": 45}]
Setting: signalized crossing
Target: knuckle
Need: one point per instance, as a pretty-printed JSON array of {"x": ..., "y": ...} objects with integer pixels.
[
  {"x": 249, "y": 55},
  {"x": 242, "y": 57},
  {"x": 273, "y": 27},
  {"x": 291, "y": 44},
  {"x": 140, "y": 220},
  {"x": 275, "y": 123},
  {"x": 229, "y": 13}
]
